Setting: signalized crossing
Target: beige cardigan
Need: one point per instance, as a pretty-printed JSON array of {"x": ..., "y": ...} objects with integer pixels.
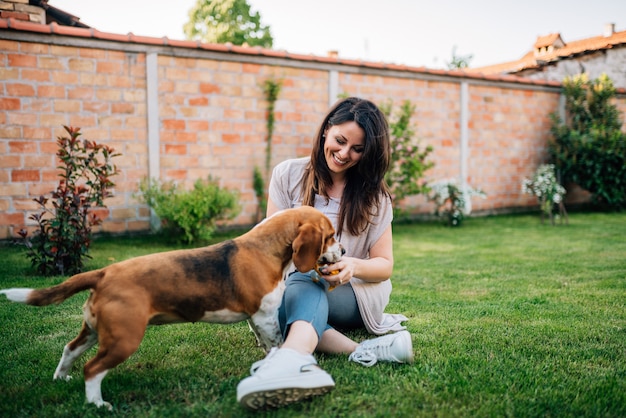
[{"x": 372, "y": 298}]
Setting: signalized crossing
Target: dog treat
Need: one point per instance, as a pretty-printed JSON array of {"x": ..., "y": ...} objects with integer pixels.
[
  {"x": 317, "y": 275},
  {"x": 332, "y": 273}
]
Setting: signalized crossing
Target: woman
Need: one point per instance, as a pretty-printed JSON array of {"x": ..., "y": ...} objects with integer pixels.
[{"x": 344, "y": 179}]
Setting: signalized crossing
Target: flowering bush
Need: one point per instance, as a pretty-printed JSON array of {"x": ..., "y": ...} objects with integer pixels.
[
  {"x": 452, "y": 201},
  {"x": 546, "y": 188}
]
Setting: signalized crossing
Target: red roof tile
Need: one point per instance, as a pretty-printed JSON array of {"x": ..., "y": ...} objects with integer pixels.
[
  {"x": 547, "y": 40},
  {"x": 536, "y": 59},
  {"x": 53, "y": 28}
]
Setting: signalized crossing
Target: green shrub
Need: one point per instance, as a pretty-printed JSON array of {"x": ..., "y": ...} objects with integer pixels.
[
  {"x": 408, "y": 161},
  {"x": 271, "y": 89},
  {"x": 190, "y": 214},
  {"x": 258, "y": 184},
  {"x": 64, "y": 235},
  {"x": 589, "y": 148}
]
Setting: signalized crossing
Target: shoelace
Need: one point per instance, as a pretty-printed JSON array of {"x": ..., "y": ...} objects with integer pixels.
[
  {"x": 363, "y": 357},
  {"x": 379, "y": 350},
  {"x": 258, "y": 364}
]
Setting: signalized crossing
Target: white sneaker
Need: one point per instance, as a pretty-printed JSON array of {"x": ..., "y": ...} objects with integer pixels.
[
  {"x": 283, "y": 377},
  {"x": 395, "y": 347}
]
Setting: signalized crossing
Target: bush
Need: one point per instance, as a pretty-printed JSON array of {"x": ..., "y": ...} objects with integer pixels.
[
  {"x": 588, "y": 147},
  {"x": 408, "y": 161},
  {"x": 546, "y": 188},
  {"x": 64, "y": 232},
  {"x": 453, "y": 202},
  {"x": 258, "y": 184},
  {"x": 190, "y": 214}
]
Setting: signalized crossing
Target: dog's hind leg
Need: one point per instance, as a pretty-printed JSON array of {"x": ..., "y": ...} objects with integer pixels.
[
  {"x": 86, "y": 339},
  {"x": 93, "y": 391},
  {"x": 112, "y": 351},
  {"x": 120, "y": 331}
]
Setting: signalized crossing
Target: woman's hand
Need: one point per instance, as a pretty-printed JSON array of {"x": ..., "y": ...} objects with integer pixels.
[
  {"x": 340, "y": 272},
  {"x": 377, "y": 268}
]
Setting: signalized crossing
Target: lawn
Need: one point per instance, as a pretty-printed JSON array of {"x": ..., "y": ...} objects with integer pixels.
[{"x": 509, "y": 317}]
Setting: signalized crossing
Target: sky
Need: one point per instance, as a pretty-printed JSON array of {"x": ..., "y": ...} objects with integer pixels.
[{"x": 420, "y": 33}]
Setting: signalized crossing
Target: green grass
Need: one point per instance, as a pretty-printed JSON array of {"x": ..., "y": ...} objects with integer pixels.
[{"x": 509, "y": 318}]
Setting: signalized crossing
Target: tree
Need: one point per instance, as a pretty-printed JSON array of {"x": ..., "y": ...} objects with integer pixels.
[
  {"x": 222, "y": 21},
  {"x": 459, "y": 61}
]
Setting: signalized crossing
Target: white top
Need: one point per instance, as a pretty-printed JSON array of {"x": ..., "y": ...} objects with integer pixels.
[{"x": 372, "y": 298}]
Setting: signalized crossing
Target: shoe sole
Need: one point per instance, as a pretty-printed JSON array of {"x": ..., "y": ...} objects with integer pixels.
[{"x": 275, "y": 398}]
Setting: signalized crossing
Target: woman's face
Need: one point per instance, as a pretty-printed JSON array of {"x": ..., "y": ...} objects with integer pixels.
[{"x": 343, "y": 146}]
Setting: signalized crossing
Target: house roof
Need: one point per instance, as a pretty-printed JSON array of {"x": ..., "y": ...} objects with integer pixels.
[
  {"x": 56, "y": 15},
  {"x": 551, "y": 48},
  {"x": 548, "y": 40}
]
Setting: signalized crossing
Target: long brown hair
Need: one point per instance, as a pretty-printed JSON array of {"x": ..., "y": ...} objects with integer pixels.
[{"x": 365, "y": 182}]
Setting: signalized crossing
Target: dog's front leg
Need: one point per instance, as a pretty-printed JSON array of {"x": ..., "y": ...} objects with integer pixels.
[
  {"x": 264, "y": 323},
  {"x": 266, "y": 329},
  {"x": 255, "y": 332}
]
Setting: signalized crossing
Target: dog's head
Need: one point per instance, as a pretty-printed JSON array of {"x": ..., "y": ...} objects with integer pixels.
[{"x": 315, "y": 243}]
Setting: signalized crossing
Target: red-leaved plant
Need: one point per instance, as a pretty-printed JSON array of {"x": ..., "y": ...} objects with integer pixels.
[{"x": 64, "y": 232}]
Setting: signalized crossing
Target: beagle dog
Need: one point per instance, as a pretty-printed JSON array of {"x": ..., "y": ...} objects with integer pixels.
[{"x": 227, "y": 282}]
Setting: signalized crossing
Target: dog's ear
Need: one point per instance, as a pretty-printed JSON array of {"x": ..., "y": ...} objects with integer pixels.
[{"x": 307, "y": 247}]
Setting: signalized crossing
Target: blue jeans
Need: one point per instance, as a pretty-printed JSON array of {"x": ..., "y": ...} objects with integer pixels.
[{"x": 310, "y": 301}]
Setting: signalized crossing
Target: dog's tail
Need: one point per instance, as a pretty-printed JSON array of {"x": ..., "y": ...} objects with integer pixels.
[{"x": 54, "y": 294}]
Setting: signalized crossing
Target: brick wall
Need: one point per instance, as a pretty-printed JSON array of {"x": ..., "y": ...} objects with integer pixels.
[{"x": 187, "y": 111}]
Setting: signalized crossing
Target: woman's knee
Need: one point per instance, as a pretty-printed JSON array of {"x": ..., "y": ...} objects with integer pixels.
[
  {"x": 306, "y": 300},
  {"x": 303, "y": 282}
]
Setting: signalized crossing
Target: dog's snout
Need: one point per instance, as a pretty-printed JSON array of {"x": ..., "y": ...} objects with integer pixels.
[{"x": 332, "y": 255}]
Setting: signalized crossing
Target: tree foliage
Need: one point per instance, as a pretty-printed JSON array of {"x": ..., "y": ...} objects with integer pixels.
[
  {"x": 458, "y": 62},
  {"x": 222, "y": 21}
]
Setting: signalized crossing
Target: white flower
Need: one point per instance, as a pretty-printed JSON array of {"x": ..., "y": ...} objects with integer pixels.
[
  {"x": 458, "y": 197},
  {"x": 544, "y": 186}
]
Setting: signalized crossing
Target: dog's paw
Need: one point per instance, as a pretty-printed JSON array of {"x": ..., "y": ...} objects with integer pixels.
[
  {"x": 59, "y": 376},
  {"x": 104, "y": 404}
]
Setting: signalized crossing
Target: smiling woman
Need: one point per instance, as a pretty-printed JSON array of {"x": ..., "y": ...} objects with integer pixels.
[{"x": 344, "y": 178}]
